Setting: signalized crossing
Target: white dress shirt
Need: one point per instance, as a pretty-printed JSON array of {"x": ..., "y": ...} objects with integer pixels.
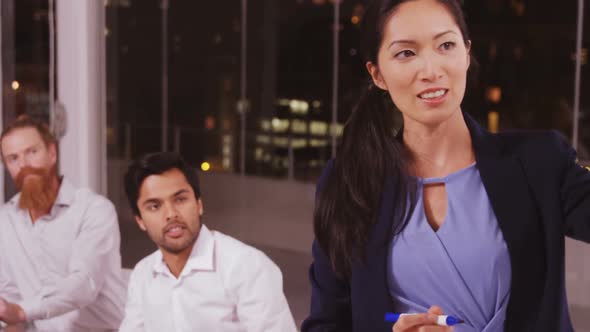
[
  {"x": 65, "y": 269},
  {"x": 225, "y": 285}
]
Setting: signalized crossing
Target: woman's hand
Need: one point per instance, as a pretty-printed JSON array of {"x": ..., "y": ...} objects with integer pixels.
[{"x": 421, "y": 322}]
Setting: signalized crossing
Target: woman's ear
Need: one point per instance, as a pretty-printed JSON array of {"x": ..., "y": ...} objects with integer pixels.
[
  {"x": 468, "y": 48},
  {"x": 376, "y": 75}
]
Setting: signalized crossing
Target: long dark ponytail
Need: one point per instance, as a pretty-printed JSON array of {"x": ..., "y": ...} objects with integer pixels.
[
  {"x": 370, "y": 152},
  {"x": 350, "y": 197}
]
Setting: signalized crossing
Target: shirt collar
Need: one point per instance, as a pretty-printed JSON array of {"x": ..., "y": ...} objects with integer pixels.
[
  {"x": 200, "y": 259},
  {"x": 66, "y": 194}
]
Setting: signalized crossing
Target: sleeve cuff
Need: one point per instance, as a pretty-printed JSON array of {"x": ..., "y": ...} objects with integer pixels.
[{"x": 33, "y": 309}]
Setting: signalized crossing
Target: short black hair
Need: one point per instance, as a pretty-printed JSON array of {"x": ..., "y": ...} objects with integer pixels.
[{"x": 156, "y": 163}]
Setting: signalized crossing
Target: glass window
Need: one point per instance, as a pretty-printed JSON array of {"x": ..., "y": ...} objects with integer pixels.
[
  {"x": 25, "y": 63},
  {"x": 192, "y": 84},
  {"x": 526, "y": 54}
]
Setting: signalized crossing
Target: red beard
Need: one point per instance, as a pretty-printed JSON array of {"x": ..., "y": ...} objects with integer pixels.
[{"x": 36, "y": 193}]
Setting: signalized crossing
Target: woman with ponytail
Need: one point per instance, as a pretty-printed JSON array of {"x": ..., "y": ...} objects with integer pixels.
[{"x": 424, "y": 212}]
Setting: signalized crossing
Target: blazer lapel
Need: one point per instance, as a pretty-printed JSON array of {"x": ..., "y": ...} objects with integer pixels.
[{"x": 518, "y": 216}]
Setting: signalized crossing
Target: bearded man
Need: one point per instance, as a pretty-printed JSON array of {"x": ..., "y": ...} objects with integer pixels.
[{"x": 60, "y": 264}]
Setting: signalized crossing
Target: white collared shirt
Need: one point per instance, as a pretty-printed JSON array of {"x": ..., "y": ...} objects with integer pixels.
[
  {"x": 225, "y": 285},
  {"x": 65, "y": 269}
]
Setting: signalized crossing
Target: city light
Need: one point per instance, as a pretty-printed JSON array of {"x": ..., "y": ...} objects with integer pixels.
[
  {"x": 319, "y": 128},
  {"x": 299, "y": 106},
  {"x": 258, "y": 154},
  {"x": 494, "y": 94},
  {"x": 265, "y": 125},
  {"x": 262, "y": 139},
  {"x": 276, "y": 122},
  {"x": 584, "y": 56},
  {"x": 493, "y": 121},
  {"x": 209, "y": 122},
  {"x": 284, "y": 102},
  {"x": 299, "y": 126},
  {"x": 205, "y": 166},
  {"x": 280, "y": 125},
  {"x": 226, "y": 151},
  {"x": 15, "y": 85},
  {"x": 226, "y": 163}
]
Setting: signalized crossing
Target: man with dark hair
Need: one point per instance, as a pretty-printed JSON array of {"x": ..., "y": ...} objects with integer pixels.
[
  {"x": 198, "y": 280},
  {"x": 60, "y": 265}
]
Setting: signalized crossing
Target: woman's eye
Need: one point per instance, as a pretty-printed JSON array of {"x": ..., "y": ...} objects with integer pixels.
[
  {"x": 404, "y": 54},
  {"x": 447, "y": 46}
]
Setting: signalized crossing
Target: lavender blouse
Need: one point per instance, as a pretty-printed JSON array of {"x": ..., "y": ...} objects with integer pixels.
[{"x": 463, "y": 267}]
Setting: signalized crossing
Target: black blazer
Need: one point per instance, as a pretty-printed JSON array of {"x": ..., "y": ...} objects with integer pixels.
[{"x": 539, "y": 194}]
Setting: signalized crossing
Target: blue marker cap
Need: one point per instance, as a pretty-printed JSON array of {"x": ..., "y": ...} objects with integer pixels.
[
  {"x": 442, "y": 320},
  {"x": 453, "y": 321},
  {"x": 391, "y": 317}
]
